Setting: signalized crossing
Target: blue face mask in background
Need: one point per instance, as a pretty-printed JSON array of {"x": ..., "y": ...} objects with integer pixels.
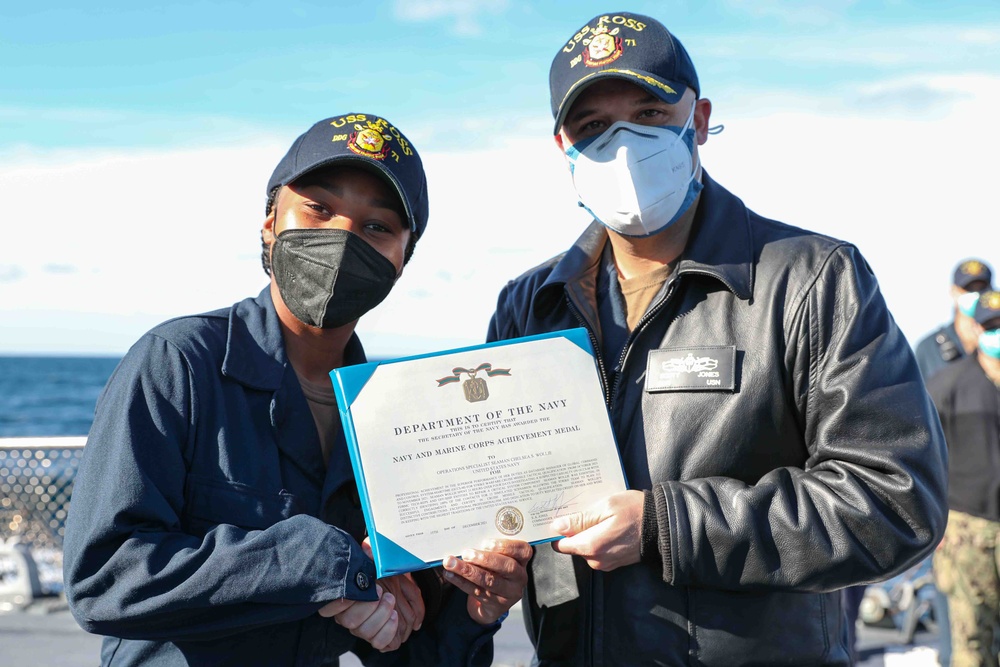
[
  {"x": 967, "y": 303},
  {"x": 989, "y": 343}
]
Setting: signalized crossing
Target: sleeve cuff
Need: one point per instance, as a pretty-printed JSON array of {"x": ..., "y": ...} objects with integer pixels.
[
  {"x": 359, "y": 580},
  {"x": 654, "y": 545},
  {"x": 663, "y": 532},
  {"x": 649, "y": 548}
]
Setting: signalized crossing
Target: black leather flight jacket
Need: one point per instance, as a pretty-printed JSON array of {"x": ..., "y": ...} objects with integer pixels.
[{"x": 814, "y": 459}]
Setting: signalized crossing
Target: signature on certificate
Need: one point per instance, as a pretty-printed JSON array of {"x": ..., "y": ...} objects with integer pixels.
[{"x": 555, "y": 504}]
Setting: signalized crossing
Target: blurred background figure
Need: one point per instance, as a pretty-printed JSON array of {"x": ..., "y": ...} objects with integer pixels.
[
  {"x": 953, "y": 341},
  {"x": 967, "y": 396},
  {"x": 959, "y": 337}
]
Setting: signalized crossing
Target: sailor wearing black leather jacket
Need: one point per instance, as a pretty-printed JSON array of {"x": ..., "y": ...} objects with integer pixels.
[{"x": 771, "y": 419}]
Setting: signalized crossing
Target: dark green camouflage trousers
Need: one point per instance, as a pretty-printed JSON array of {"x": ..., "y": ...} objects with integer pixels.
[{"x": 966, "y": 567}]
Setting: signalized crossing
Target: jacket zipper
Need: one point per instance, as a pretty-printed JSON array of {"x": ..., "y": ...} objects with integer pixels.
[
  {"x": 632, "y": 336},
  {"x": 650, "y": 315},
  {"x": 589, "y": 659},
  {"x": 597, "y": 349},
  {"x": 612, "y": 392}
]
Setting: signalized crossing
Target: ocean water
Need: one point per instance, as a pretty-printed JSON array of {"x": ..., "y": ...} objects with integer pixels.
[
  {"x": 39, "y": 397},
  {"x": 50, "y": 396}
]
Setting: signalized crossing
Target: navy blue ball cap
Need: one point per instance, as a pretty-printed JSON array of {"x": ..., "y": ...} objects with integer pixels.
[
  {"x": 970, "y": 271},
  {"x": 620, "y": 45},
  {"x": 367, "y": 141},
  {"x": 987, "y": 307}
]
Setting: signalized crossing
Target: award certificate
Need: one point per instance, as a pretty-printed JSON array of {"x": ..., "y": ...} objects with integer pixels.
[{"x": 492, "y": 441}]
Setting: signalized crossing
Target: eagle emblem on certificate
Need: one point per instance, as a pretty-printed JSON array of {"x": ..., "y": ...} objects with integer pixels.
[{"x": 474, "y": 387}]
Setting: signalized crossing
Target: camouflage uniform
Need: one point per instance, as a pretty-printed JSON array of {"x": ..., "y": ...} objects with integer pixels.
[{"x": 967, "y": 570}]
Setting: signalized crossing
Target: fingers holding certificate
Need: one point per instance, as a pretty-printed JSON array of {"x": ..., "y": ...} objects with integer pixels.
[
  {"x": 493, "y": 577},
  {"x": 606, "y": 534},
  {"x": 487, "y": 443}
]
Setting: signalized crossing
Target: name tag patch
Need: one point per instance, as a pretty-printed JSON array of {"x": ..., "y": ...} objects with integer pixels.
[{"x": 705, "y": 368}]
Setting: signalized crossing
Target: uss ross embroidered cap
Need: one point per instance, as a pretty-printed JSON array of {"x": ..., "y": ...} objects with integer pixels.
[
  {"x": 971, "y": 271},
  {"x": 620, "y": 45},
  {"x": 367, "y": 141},
  {"x": 987, "y": 307}
]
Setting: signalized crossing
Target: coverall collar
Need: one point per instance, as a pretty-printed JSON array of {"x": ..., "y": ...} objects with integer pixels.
[{"x": 255, "y": 348}]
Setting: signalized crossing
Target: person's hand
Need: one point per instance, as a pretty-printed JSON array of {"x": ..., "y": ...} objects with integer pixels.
[
  {"x": 409, "y": 602},
  {"x": 607, "y": 534},
  {"x": 492, "y": 577},
  {"x": 375, "y": 622}
]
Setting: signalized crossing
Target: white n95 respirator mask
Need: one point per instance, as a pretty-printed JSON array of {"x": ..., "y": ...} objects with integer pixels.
[{"x": 636, "y": 179}]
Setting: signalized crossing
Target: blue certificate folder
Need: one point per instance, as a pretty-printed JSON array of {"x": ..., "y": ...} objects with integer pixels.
[{"x": 350, "y": 384}]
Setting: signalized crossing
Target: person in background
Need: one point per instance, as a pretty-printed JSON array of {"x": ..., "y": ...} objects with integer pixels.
[
  {"x": 951, "y": 342},
  {"x": 215, "y": 519},
  {"x": 957, "y": 338},
  {"x": 967, "y": 396},
  {"x": 769, "y": 413}
]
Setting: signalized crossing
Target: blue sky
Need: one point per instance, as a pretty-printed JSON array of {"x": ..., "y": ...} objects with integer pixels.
[
  {"x": 155, "y": 125},
  {"x": 127, "y": 74}
]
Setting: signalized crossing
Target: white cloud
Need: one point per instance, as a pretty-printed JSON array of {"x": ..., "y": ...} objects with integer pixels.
[
  {"x": 980, "y": 36},
  {"x": 95, "y": 126},
  {"x": 482, "y": 133},
  {"x": 465, "y": 14},
  {"x": 63, "y": 115},
  {"x": 154, "y": 235},
  {"x": 10, "y": 273},
  {"x": 903, "y": 189},
  {"x": 924, "y": 98},
  {"x": 801, "y": 12},
  {"x": 899, "y": 48},
  {"x": 921, "y": 94},
  {"x": 913, "y": 194}
]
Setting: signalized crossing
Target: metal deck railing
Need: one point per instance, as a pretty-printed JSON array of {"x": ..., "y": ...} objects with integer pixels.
[{"x": 36, "y": 483}]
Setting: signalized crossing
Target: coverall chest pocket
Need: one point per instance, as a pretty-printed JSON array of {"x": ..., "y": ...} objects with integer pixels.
[{"x": 211, "y": 502}]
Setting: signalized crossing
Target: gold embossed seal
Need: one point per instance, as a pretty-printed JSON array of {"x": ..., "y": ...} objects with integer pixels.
[{"x": 510, "y": 521}]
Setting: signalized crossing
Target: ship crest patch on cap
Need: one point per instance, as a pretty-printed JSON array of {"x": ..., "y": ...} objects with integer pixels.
[
  {"x": 369, "y": 141},
  {"x": 972, "y": 268},
  {"x": 991, "y": 300},
  {"x": 603, "y": 48}
]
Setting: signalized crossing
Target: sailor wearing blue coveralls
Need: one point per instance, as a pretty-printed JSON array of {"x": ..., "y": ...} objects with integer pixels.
[{"x": 215, "y": 518}]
